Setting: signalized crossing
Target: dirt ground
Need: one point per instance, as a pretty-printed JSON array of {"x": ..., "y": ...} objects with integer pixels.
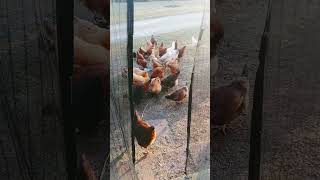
[
  {"x": 290, "y": 141},
  {"x": 243, "y": 23},
  {"x": 290, "y": 133},
  {"x": 167, "y": 155}
]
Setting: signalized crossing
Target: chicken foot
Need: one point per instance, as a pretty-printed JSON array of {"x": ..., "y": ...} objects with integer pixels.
[
  {"x": 231, "y": 126},
  {"x": 222, "y": 128}
]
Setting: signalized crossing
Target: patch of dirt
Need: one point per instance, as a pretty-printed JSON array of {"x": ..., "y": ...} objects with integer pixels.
[
  {"x": 243, "y": 23},
  {"x": 167, "y": 156}
]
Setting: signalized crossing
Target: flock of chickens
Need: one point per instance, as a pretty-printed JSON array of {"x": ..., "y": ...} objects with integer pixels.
[
  {"x": 230, "y": 101},
  {"x": 157, "y": 69},
  {"x": 153, "y": 65}
]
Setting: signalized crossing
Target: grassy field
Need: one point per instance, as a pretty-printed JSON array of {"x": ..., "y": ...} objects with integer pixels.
[{"x": 155, "y": 9}]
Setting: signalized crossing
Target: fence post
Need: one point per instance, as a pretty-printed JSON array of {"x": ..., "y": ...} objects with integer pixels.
[
  {"x": 64, "y": 15},
  {"x": 257, "y": 110},
  {"x": 130, "y": 27}
]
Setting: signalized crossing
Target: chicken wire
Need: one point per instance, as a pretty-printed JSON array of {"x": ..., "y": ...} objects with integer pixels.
[
  {"x": 29, "y": 93},
  {"x": 290, "y": 105},
  {"x": 168, "y": 21},
  {"x": 121, "y": 163},
  {"x": 199, "y": 142}
]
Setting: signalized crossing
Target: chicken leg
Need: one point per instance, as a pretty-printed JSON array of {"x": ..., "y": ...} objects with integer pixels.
[{"x": 222, "y": 128}]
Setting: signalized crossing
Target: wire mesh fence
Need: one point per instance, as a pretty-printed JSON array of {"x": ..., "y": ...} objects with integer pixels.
[
  {"x": 121, "y": 162},
  {"x": 168, "y": 21},
  {"x": 199, "y": 143}
]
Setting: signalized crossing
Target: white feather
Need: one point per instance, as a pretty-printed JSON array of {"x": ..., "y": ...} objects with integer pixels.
[
  {"x": 169, "y": 55},
  {"x": 172, "y": 47}
]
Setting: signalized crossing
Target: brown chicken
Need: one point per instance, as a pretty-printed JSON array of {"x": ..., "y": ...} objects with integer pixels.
[
  {"x": 155, "y": 53},
  {"x": 155, "y": 86},
  {"x": 158, "y": 72},
  {"x": 142, "y": 51},
  {"x": 140, "y": 80},
  {"x": 173, "y": 66},
  {"x": 89, "y": 54},
  {"x": 143, "y": 132},
  {"x": 181, "y": 51},
  {"x": 149, "y": 47},
  {"x": 145, "y": 75},
  {"x": 156, "y": 63},
  {"x": 86, "y": 170},
  {"x": 141, "y": 60},
  {"x": 140, "y": 86},
  {"x": 162, "y": 50},
  {"x": 139, "y": 72},
  {"x": 91, "y": 33},
  {"x": 228, "y": 103},
  {"x": 178, "y": 95},
  {"x": 171, "y": 80}
]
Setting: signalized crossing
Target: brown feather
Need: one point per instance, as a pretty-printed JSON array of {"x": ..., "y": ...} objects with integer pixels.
[
  {"x": 228, "y": 102},
  {"x": 141, "y": 60},
  {"x": 144, "y": 133},
  {"x": 178, "y": 95},
  {"x": 155, "y": 85},
  {"x": 158, "y": 72},
  {"x": 181, "y": 51},
  {"x": 162, "y": 50}
]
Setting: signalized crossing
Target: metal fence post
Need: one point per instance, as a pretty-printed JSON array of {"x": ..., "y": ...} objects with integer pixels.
[
  {"x": 130, "y": 27},
  {"x": 64, "y": 15}
]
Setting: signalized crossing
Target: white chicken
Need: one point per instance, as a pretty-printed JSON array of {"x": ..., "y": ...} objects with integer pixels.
[
  {"x": 172, "y": 53},
  {"x": 173, "y": 45}
]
